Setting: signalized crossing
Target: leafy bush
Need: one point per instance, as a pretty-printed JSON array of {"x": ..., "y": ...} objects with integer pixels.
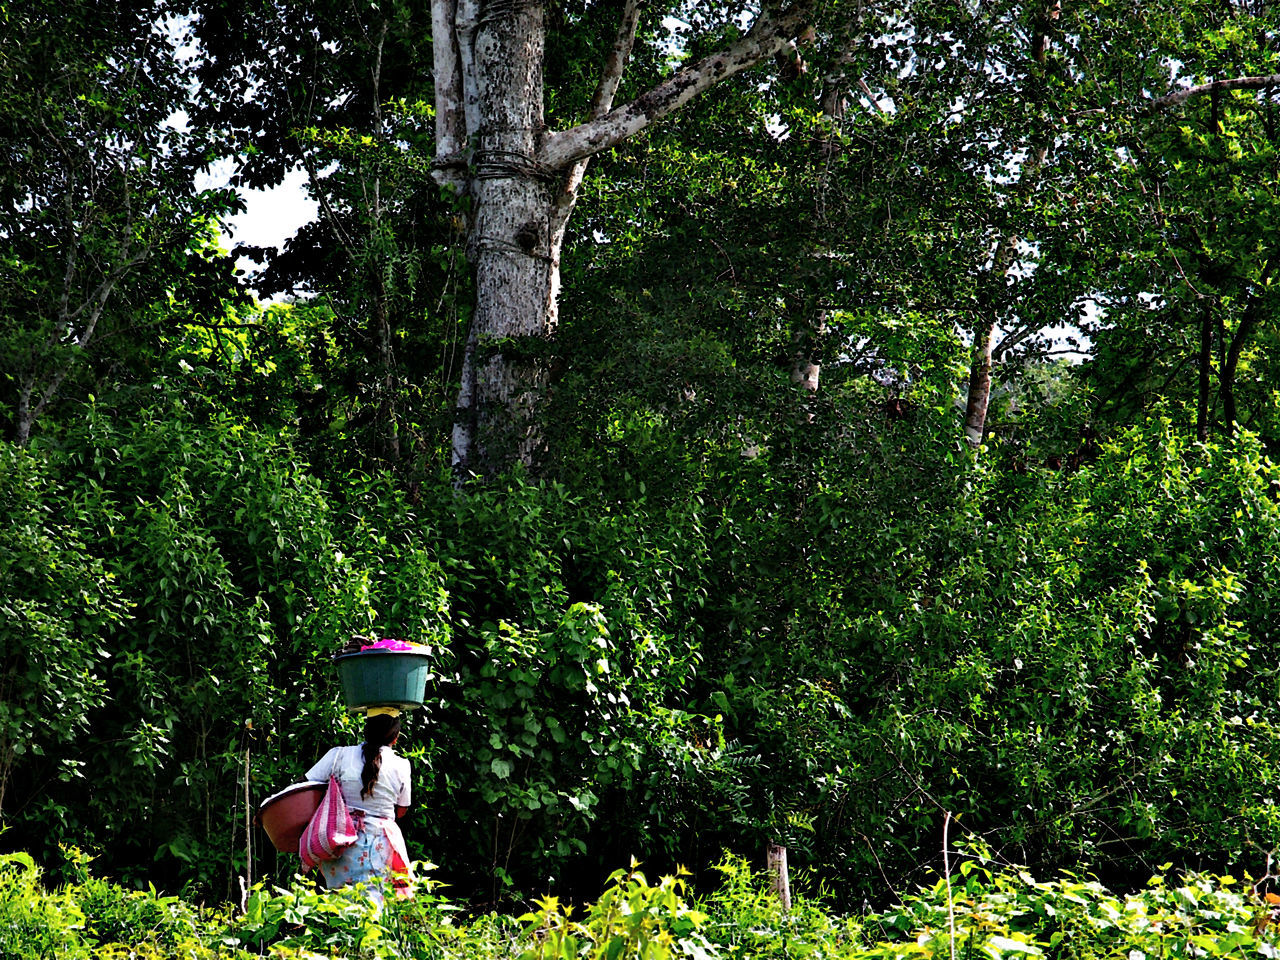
[
  {"x": 173, "y": 589},
  {"x": 981, "y": 910},
  {"x": 56, "y": 601},
  {"x": 1082, "y": 664},
  {"x": 34, "y": 922},
  {"x": 631, "y": 919},
  {"x": 95, "y": 919}
]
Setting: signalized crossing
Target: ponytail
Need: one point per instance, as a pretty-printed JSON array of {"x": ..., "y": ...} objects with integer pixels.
[{"x": 379, "y": 731}]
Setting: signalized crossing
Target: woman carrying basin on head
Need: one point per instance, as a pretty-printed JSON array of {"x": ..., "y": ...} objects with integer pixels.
[{"x": 375, "y": 785}]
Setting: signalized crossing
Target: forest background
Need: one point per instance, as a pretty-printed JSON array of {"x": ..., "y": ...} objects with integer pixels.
[{"x": 901, "y": 444}]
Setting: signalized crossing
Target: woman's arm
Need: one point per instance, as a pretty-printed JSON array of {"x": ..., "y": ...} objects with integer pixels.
[
  {"x": 323, "y": 766},
  {"x": 404, "y": 794}
]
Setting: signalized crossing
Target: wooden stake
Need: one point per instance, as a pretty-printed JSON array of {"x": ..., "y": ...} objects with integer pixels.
[
  {"x": 248, "y": 836},
  {"x": 946, "y": 869},
  {"x": 776, "y": 858}
]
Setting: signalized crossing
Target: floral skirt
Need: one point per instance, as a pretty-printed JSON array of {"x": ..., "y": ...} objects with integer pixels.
[{"x": 378, "y": 858}]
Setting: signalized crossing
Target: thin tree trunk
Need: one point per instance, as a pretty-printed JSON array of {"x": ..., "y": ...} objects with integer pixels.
[
  {"x": 810, "y": 325},
  {"x": 1205, "y": 365},
  {"x": 23, "y": 418},
  {"x": 388, "y": 408},
  {"x": 6, "y": 767},
  {"x": 386, "y": 355},
  {"x": 808, "y": 329},
  {"x": 248, "y": 828},
  {"x": 979, "y": 399},
  {"x": 451, "y": 127},
  {"x": 985, "y": 333},
  {"x": 1227, "y": 374},
  {"x": 1249, "y": 320}
]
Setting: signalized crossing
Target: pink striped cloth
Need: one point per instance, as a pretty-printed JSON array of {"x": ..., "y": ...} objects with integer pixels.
[{"x": 330, "y": 831}]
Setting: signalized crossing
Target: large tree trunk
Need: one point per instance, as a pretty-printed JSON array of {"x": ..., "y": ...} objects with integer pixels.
[{"x": 509, "y": 236}]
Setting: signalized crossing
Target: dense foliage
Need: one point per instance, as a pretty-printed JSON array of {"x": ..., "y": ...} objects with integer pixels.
[
  {"x": 977, "y": 912},
  {"x": 764, "y": 584},
  {"x": 676, "y": 670}
]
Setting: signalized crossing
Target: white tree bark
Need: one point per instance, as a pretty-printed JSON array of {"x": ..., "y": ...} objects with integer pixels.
[
  {"x": 451, "y": 126},
  {"x": 499, "y": 57},
  {"x": 521, "y": 182}
]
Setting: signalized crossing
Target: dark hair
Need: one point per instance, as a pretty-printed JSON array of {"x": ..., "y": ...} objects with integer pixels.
[{"x": 379, "y": 731}]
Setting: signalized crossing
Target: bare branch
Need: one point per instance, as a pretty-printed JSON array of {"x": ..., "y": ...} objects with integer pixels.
[
  {"x": 99, "y": 303},
  {"x": 766, "y": 37},
  {"x": 1179, "y": 97},
  {"x": 69, "y": 275},
  {"x": 866, "y": 92},
  {"x": 1015, "y": 338},
  {"x": 331, "y": 216},
  {"x": 97, "y": 298},
  {"x": 1214, "y": 86},
  {"x": 601, "y": 103},
  {"x": 616, "y": 62}
]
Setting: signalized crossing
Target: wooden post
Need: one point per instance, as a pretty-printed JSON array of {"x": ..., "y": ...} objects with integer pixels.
[
  {"x": 248, "y": 833},
  {"x": 776, "y": 859}
]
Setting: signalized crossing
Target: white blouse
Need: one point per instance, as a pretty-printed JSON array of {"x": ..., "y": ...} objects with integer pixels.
[{"x": 390, "y": 790}]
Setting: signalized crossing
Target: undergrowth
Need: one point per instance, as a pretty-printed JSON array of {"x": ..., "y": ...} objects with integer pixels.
[{"x": 980, "y": 911}]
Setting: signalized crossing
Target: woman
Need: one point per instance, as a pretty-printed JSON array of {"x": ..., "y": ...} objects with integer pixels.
[{"x": 375, "y": 786}]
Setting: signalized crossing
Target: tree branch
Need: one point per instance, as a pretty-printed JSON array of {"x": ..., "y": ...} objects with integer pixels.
[
  {"x": 1214, "y": 86},
  {"x": 616, "y": 62},
  {"x": 1179, "y": 97},
  {"x": 765, "y": 38},
  {"x": 331, "y": 217},
  {"x": 99, "y": 302},
  {"x": 1249, "y": 320},
  {"x": 601, "y": 103},
  {"x": 1015, "y": 338},
  {"x": 97, "y": 299},
  {"x": 871, "y": 97}
]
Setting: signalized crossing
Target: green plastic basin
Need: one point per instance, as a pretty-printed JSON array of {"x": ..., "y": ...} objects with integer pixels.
[{"x": 383, "y": 678}]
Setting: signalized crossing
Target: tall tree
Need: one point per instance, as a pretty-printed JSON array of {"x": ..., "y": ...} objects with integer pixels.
[
  {"x": 1192, "y": 293},
  {"x": 341, "y": 91},
  {"x": 1069, "y": 90},
  {"x": 524, "y": 95},
  {"x": 521, "y": 180},
  {"x": 100, "y": 217}
]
